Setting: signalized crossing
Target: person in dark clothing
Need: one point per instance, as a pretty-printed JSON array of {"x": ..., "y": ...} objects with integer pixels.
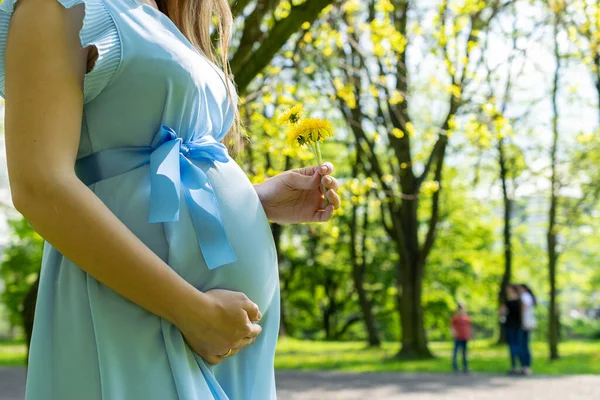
[
  {"x": 528, "y": 303},
  {"x": 511, "y": 316}
]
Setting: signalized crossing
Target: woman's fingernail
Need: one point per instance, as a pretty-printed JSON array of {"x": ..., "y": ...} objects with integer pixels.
[
  {"x": 324, "y": 168},
  {"x": 328, "y": 180}
]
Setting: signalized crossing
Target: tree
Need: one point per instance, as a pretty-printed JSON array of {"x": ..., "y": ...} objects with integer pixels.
[
  {"x": 370, "y": 84},
  {"x": 510, "y": 160},
  {"x": 266, "y": 29},
  {"x": 552, "y": 233},
  {"x": 565, "y": 211}
]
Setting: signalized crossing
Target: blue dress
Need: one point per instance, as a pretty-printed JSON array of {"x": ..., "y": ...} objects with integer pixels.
[{"x": 155, "y": 110}]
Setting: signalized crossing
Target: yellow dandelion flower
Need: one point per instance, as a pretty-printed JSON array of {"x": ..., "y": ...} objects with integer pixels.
[
  {"x": 297, "y": 138},
  {"x": 292, "y": 116},
  {"x": 311, "y": 130},
  {"x": 307, "y": 133}
]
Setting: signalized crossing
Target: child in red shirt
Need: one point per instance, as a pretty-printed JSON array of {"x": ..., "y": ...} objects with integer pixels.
[{"x": 461, "y": 332}]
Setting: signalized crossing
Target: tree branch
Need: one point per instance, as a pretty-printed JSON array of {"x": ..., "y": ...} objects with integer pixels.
[
  {"x": 434, "y": 155},
  {"x": 435, "y": 207},
  {"x": 351, "y": 321},
  {"x": 252, "y": 33},
  {"x": 246, "y": 70},
  {"x": 386, "y": 226}
]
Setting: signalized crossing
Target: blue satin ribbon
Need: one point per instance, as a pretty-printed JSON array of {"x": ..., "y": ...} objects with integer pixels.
[{"x": 171, "y": 168}]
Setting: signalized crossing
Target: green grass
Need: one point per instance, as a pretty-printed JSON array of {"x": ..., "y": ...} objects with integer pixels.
[
  {"x": 577, "y": 357},
  {"x": 12, "y": 354}
]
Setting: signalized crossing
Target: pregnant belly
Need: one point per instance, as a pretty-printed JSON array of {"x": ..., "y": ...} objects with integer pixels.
[{"x": 255, "y": 273}]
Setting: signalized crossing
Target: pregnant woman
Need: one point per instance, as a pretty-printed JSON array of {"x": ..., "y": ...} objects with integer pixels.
[{"x": 159, "y": 278}]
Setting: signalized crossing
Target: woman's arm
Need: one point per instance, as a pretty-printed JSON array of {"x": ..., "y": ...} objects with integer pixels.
[{"x": 45, "y": 66}]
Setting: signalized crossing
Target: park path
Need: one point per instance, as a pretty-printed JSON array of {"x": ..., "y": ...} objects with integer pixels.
[
  {"x": 395, "y": 386},
  {"x": 391, "y": 386}
]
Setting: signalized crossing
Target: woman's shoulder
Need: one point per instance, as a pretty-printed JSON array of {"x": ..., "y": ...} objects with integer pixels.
[{"x": 96, "y": 28}]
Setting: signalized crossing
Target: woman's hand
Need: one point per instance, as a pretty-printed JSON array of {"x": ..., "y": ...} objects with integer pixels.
[
  {"x": 295, "y": 196},
  {"x": 220, "y": 321}
]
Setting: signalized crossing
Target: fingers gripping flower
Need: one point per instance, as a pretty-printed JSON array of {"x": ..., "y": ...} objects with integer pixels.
[{"x": 307, "y": 132}]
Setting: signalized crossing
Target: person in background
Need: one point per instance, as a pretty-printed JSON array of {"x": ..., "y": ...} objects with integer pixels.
[
  {"x": 510, "y": 316},
  {"x": 460, "y": 326},
  {"x": 528, "y": 324}
]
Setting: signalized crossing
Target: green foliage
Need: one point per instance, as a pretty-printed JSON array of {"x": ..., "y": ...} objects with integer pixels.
[
  {"x": 319, "y": 298},
  {"x": 584, "y": 328},
  {"x": 12, "y": 354},
  {"x": 20, "y": 267},
  {"x": 464, "y": 266}
]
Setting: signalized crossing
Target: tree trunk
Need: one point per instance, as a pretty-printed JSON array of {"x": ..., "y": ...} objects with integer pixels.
[
  {"x": 413, "y": 257},
  {"x": 367, "y": 312},
  {"x": 553, "y": 320},
  {"x": 414, "y": 340},
  {"x": 330, "y": 309},
  {"x": 410, "y": 272},
  {"x": 506, "y": 277},
  {"x": 327, "y": 322},
  {"x": 358, "y": 270}
]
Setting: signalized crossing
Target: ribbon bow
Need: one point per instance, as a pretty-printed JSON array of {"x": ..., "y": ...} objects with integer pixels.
[
  {"x": 171, "y": 169},
  {"x": 170, "y": 166}
]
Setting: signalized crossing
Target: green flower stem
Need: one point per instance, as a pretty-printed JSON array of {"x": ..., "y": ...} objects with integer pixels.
[{"x": 320, "y": 161}]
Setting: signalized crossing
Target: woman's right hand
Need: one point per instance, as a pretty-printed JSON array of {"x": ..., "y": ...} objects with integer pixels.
[{"x": 220, "y": 320}]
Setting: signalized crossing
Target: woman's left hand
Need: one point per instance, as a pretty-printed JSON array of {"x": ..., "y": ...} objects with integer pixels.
[{"x": 295, "y": 196}]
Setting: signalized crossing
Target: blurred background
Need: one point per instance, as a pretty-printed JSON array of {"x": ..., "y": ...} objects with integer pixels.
[{"x": 467, "y": 140}]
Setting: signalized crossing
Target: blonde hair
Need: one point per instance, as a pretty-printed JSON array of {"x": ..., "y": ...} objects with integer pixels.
[{"x": 194, "y": 19}]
